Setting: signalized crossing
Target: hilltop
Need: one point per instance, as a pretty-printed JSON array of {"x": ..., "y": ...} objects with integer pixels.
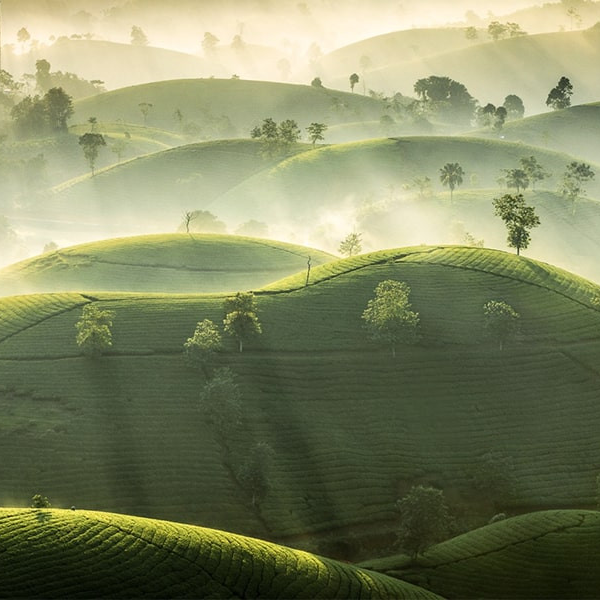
[
  {"x": 79, "y": 553},
  {"x": 488, "y": 69},
  {"x": 397, "y": 46},
  {"x": 159, "y": 187},
  {"x": 160, "y": 263},
  {"x": 117, "y": 65},
  {"x": 319, "y": 195},
  {"x": 351, "y": 428},
  {"x": 227, "y": 107}
]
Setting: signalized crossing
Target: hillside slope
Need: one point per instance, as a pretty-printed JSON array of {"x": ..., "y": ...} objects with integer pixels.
[
  {"x": 488, "y": 70},
  {"x": 104, "y": 60},
  {"x": 548, "y": 554},
  {"x": 573, "y": 130},
  {"x": 52, "y": 553},
  {"x": 351, "y": 428},
  {"x": 182, "y": 262},
  {"x": 227, "y": 107}
]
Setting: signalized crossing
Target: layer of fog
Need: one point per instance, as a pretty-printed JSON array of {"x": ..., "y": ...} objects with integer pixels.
[{"x": 261, "y": 39}]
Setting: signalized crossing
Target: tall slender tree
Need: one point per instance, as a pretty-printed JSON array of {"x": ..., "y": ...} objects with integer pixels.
[{"x": 451, "y": 175}]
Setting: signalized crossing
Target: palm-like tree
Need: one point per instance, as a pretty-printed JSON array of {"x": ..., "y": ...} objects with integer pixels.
[{"x": 451, "y": 174}]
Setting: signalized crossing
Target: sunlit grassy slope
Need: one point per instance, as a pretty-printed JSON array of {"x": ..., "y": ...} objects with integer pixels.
[
  {"x": 547, "y": 554},
  {"x": 528, "y": 66},
  {"x": 360, "y": 168},
  {"x": 574, "y": 130},
  {"x": 227, "y": 107},
  {"x": 160, "y": 263},
  {"x": 393, "y": 47},
  {"x": 160, "y": 186},
  {"x": 62, "y": 157},
  {"x": 351, "y": 428},
  {"x": 62, "y": 553}
]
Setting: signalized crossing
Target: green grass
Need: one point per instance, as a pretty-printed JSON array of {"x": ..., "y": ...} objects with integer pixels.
[
  {"x": 548, "y": 554},
  {"x": 375, "y": 170},
  {"x": 161, "y": 263},
  {"x": 351, "y": 428},
  {"x": 160, "y": 186},
  {"x": 572, "y": 130},
  {"x": 52, "y": 553},
  {"x": 404, "y": 45},
  {"x": 226, "y": 107},
  {"x": 528, "y": 66}
]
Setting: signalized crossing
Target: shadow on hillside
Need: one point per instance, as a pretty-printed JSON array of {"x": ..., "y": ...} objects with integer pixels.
[{"x": 117, "y": 429}]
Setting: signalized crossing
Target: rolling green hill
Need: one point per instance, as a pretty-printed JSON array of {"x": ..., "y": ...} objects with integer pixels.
[
  {"x": 158, "y": 188},
  {"x": 117, "y": 65},
  {"x": 573, "y": 130},
  {"x": 31, "y": 166},
  {"x": 351, "y": 428},
  {"x": 547, "y": 554},
  {"x": 320, "y": 195},
  {"x": 489, "y": 73},
  {"x": 52, "y": 553},
  {"x": 397, "y": 46},
  {"x": 221, "y": 108},
  {"x": 160, "y": 263}
]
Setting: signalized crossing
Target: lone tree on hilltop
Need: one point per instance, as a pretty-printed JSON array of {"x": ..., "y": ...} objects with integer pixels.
[
  {"x": 424, "y": 519},
  {"x": 138, "y": 37},
  {"x": 534, "y": 171},
  {"x": 388, "y": 316},
  {"x": 518, "y": 217},
  {"x": 316, "y": 132},
  {"x": 571, "y": 186},
  {"x": 451, "y": 175},
  {"x": 560, "y": 95},
  {"x": 241, "y": 320},
  {"x": 91, "y": 144},
  {"x": 199, "y": 350},
  {"x": 354, "y": 79},
  {"x": 39, "y": 501},
  {"x": 501, "y": 321},
  {"x": 351, "y": 244},
  {"x": 94, "y": 334},
  {"x": 253, "y": 475}
]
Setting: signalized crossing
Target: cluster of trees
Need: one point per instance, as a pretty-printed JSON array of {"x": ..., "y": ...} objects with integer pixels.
[
  {"x": 221, "y": 396},
  {"x": 498, "y": 31},
  {"x": 75, "y": 86},
  {"x": 277, "y": 138},
  {"x": 446, "y": 98},
  {"x": 38, "y": 116},
  {"x": 495, "y": 116}
]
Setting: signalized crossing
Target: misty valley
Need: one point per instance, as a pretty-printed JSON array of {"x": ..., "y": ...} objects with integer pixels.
[{"x": 299, "y": 299}]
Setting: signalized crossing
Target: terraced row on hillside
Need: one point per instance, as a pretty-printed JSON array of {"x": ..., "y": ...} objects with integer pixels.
[
  {"x": 351, "y": 428},
  {"x": 51, "y": 553},
  {"x": 547, "y": 554}
]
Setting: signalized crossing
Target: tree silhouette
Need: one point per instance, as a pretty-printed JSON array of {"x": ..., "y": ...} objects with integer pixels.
[{"x": 451, "y": 175}]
